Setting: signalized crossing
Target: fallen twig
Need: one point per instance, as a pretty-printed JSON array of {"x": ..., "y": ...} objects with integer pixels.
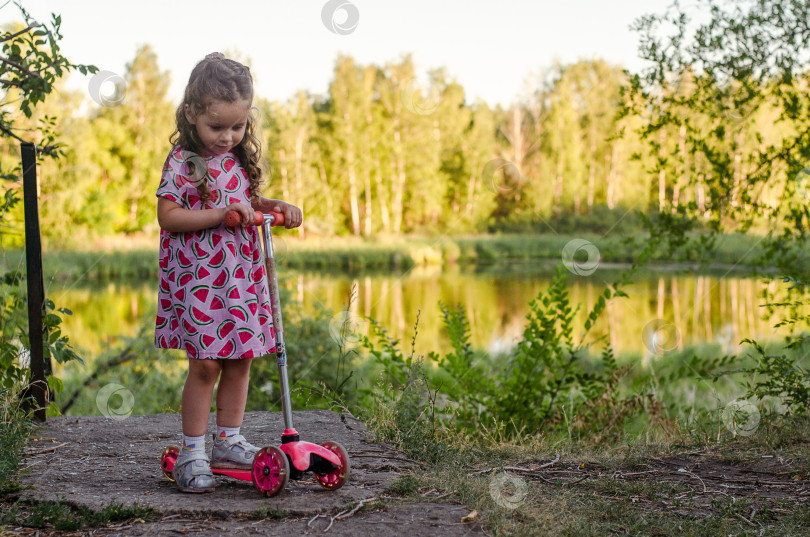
[
  {"x": 311, "y": 520},
  {"x": 356, "y": 507},
  {"x": 387, "y": 457},
  {"x": 343, "y": 514},
  {"x": 427, "y": 494},
  {"x": 577, "y": 481},
  {"x": 519, "y": 468},
  {"x": 54, "y": 448},
  {"x": 556, "y": 458}
]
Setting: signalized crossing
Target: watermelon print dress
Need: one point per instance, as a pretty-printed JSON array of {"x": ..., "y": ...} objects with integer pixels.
[{"x": 213, "y": 299}]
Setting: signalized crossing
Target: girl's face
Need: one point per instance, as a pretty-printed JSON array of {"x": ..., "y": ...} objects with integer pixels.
[{"x": 222, "y": 126}]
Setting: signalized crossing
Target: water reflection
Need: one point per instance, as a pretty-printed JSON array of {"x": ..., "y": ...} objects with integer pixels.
[{"x": 698, "y": 308}]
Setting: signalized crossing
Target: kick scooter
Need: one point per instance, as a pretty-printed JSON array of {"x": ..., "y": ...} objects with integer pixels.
[{"x": 274, "y": 466}]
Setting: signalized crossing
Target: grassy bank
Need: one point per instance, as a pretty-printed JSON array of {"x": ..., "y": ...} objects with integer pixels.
[
  {"x": 680, "y": 485},
  {"x": 350, "y": 254}
]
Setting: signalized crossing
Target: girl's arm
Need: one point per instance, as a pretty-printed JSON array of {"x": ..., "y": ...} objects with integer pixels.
[
  {"x": 173, "y": 217},
  {"x": 293, "y": 217}
]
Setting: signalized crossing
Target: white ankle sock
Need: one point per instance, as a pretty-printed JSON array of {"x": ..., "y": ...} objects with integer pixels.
[
  {"x": 194, "y": 443},
  {"x": 227, "y": 432}
]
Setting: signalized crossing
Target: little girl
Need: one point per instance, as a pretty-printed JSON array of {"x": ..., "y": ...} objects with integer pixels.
[{"x": 213, "y": 298}]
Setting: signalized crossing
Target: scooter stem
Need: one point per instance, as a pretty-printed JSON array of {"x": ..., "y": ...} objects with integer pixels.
[{"x": 275, "y": 306}]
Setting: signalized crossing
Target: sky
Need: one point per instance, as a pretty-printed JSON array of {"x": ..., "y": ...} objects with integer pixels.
[{"x": 494, "y": 49}]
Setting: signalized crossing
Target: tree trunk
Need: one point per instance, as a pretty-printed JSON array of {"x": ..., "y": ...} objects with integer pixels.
[
  {"x": 367, "y": 213},
  {"x": 680, "y": 176},
  {"x": 662, "y": 174},
  {"x": 330, "y": 205},
  {"x": 381, "y": 195},
  {"x": 350, "y": 156},
  {"x": 399, "y": 183},
  {"x": 353, "y": 200},
  {"x": 558, "y": 182},
  {"x": 592, "y": 170},
  {"x": 298, "y": 199},
  {"x": 282, "y": 169},
  {"x": 518, "y": 150},
  {"x": 611, "y": 178}
]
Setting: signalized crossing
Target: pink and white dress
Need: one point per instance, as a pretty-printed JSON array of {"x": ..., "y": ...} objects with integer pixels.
[{"x": 213, "y": 299}]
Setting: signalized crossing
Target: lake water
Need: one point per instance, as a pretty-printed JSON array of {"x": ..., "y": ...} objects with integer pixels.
[{"x": 665, "y": 310}]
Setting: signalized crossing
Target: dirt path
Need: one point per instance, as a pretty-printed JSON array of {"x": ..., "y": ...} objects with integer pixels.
[
  {"x": 97, "y": 461},
  {"x": 93, "y": 462},
  {"x": 406, "y": 519}
]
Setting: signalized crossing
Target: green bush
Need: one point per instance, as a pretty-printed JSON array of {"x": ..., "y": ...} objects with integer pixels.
[
  {"x": 546, "y": 383},
  {"x": 599, "y": 219},
  {"x": 14, "y": 337}
]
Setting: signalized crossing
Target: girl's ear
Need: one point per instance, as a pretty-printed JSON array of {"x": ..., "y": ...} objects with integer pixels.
[{"x": 189, "y": 116}]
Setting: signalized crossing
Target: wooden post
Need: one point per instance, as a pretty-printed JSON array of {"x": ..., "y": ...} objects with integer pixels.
[{"x": 38, "y": 387}]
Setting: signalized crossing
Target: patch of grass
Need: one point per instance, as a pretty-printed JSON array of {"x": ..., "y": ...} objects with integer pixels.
[
  {"x": 12, "y": 440},
  {"x": 271, "y": 513},
  {"x": 600, "y": 504},
  {"x": 404, "y": 485},
  {"x": 65, "y": 517},
  {"x": 607, "y": 507}
]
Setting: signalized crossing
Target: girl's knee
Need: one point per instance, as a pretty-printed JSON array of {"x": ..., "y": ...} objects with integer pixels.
[
  {"x": 238, "y": 368},
  {"x": 204, "y": 371}
]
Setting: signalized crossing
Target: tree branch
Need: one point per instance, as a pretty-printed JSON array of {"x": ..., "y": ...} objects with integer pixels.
[
  {"x": 10, "y": 37},
  {"x": 47, "y": 150},
  {"x": 14, "y": 83},
  {"x": 21, "y": 68}
]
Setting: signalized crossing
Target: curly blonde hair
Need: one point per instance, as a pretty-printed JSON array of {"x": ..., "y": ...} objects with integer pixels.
[{"x": 217, "y": 78}]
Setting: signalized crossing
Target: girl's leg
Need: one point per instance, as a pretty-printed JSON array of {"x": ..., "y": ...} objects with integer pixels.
[
  {"x": 197, "y": 395},
  {"x": 232, "y": 392},
  {"x": 191, "y": 469}
]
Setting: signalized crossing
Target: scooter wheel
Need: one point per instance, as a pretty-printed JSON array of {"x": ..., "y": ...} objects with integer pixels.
[
  {"x": 167, "y": 460},
  {"x": 338, "y": 477},
  {"x": 271, "y": 471}
]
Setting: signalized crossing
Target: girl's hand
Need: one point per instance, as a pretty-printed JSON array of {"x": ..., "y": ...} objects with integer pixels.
[
  {"x": 246, "y": 213},
  {"x": 293, "y": 217}
]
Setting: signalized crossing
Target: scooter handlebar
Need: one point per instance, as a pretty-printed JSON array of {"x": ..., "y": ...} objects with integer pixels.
[{"x": 233, "y": 218}]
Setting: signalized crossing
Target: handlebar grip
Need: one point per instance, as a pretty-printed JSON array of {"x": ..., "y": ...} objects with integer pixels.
[
  {"x": 233, "y": 218},
  {"x": 278, "y": 218}
]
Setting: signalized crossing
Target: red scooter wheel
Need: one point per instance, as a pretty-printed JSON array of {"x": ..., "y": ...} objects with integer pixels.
[
  {"x": 271, "y": 471},
  {"x": 338, "y": 477},
  {"x": 167, "y": 460}
]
